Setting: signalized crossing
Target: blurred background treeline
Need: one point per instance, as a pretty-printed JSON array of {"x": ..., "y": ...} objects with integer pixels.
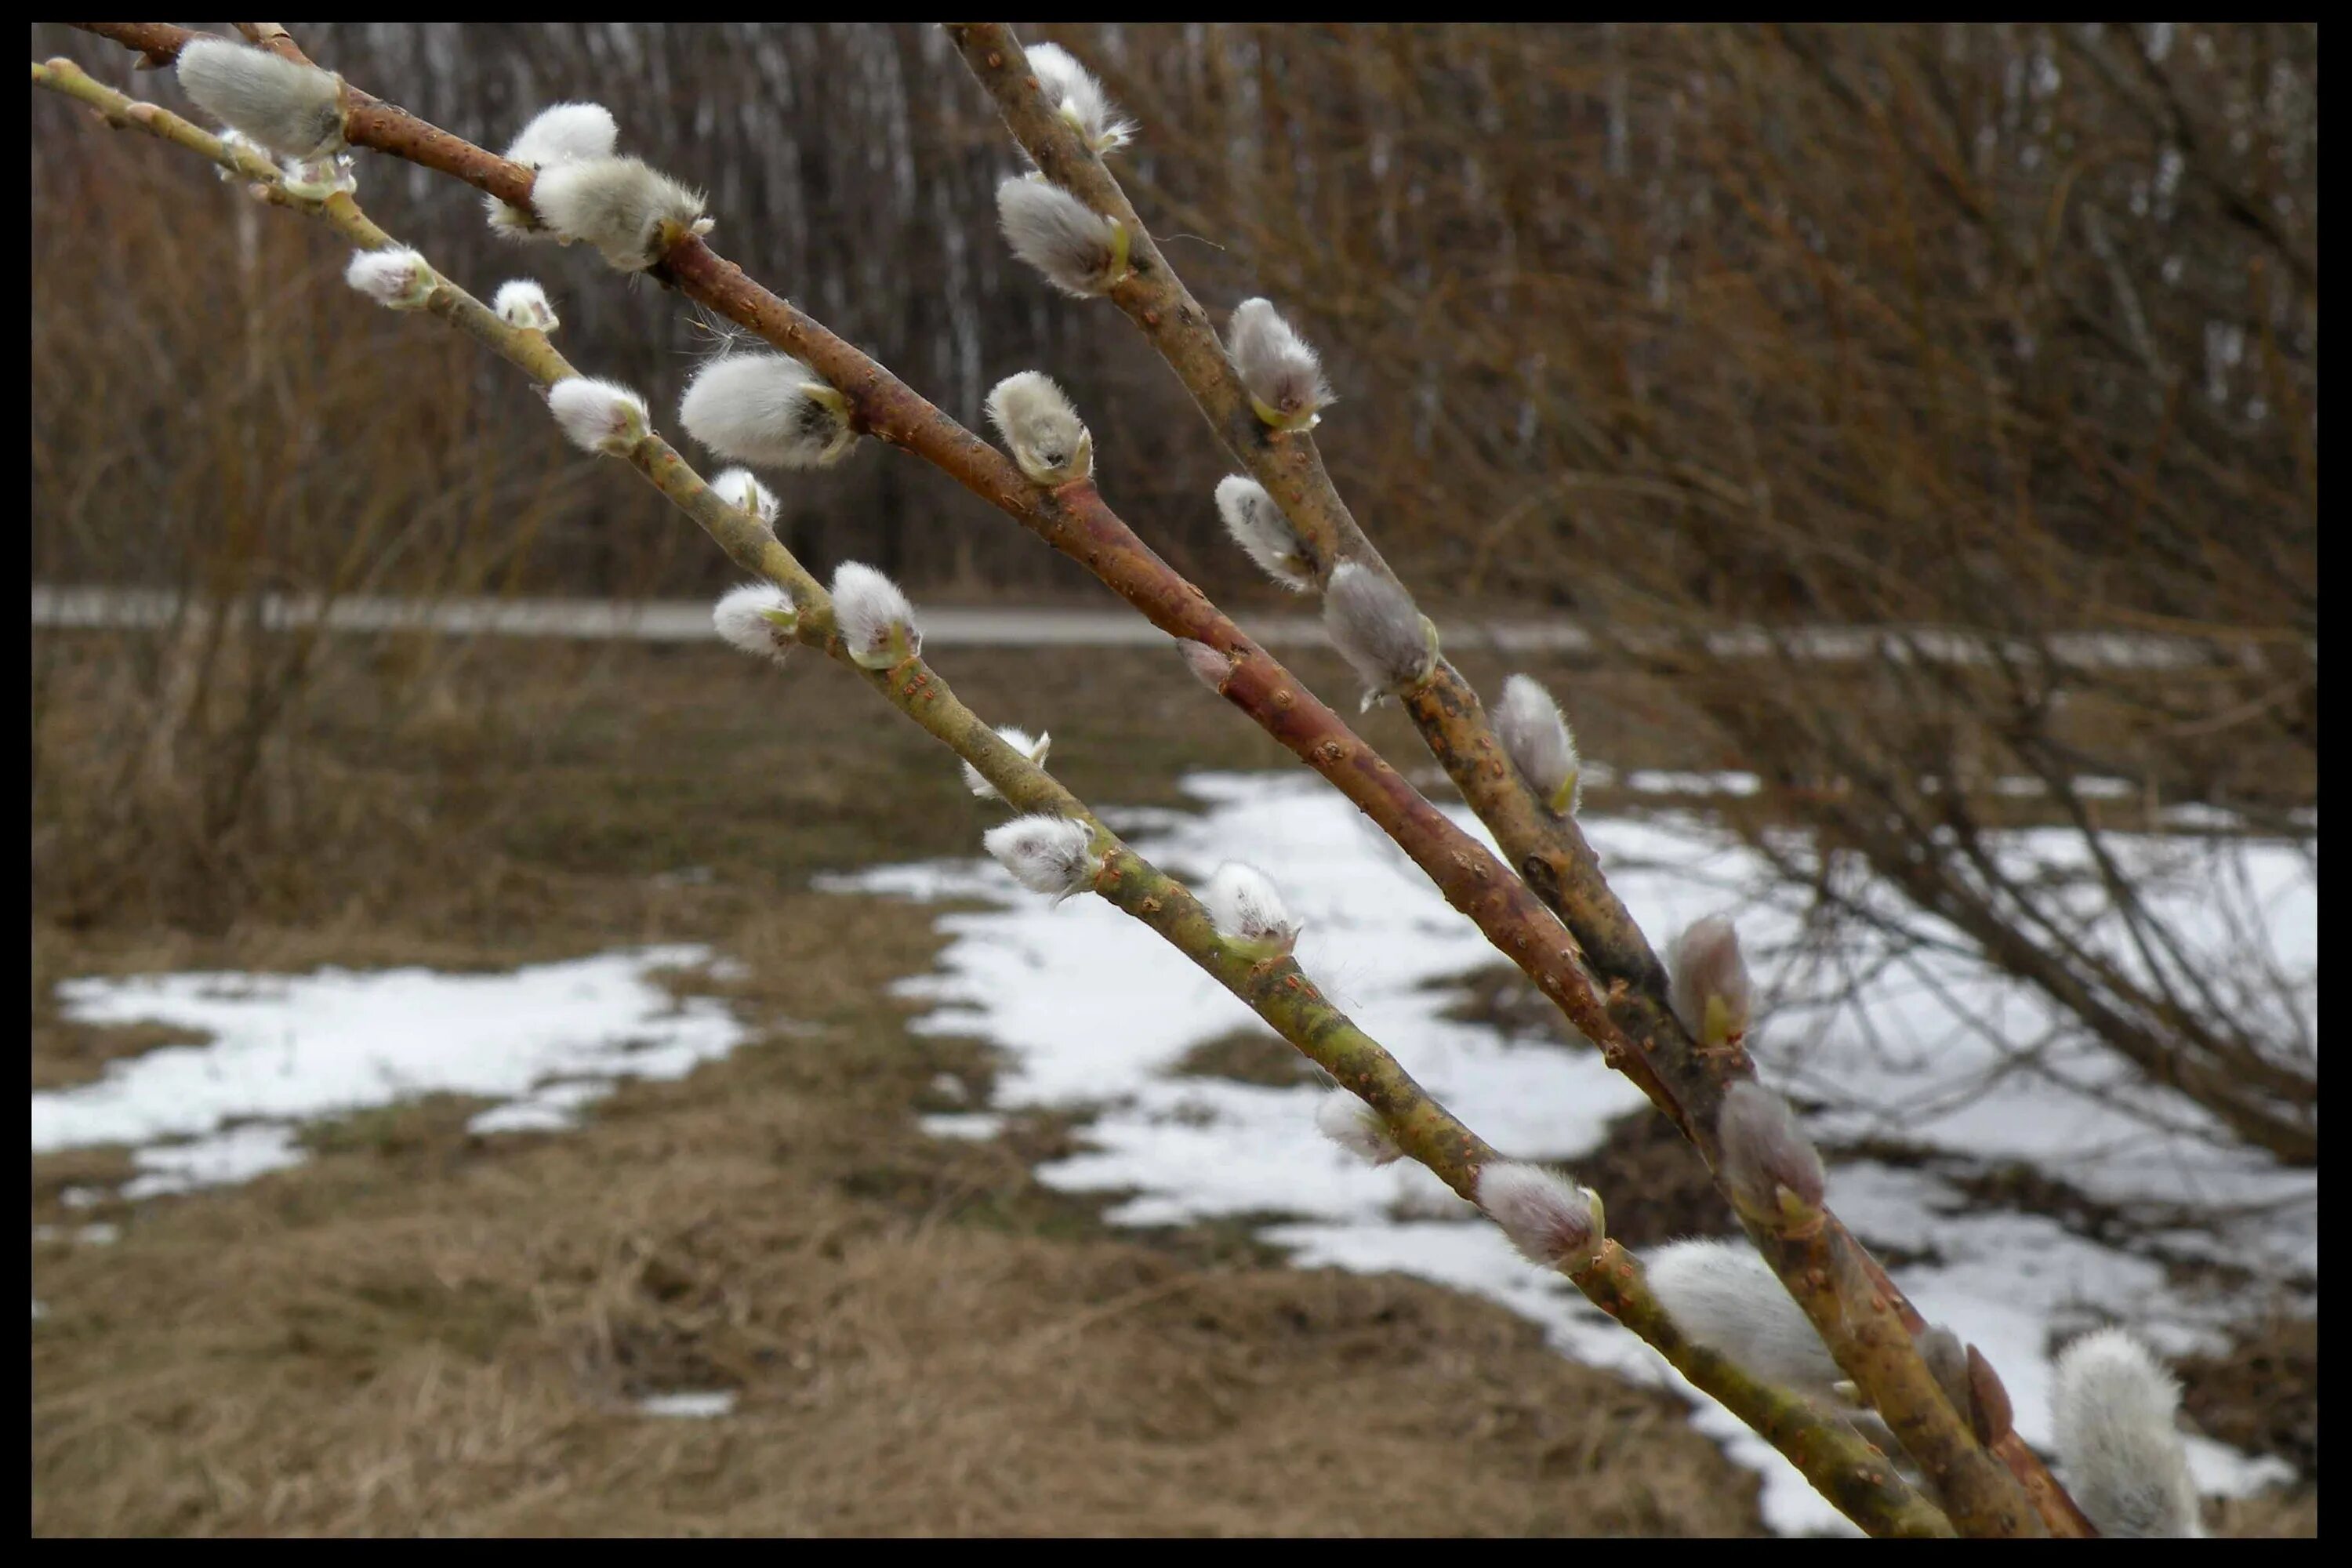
[{"x": 1923, "y": 319}]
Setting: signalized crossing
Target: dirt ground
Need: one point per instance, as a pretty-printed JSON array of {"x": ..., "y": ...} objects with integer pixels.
[{"x": 426, "y": 1331}]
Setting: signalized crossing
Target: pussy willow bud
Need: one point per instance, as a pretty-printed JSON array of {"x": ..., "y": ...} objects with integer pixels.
[
  {"x": 316, "y": 178},
  {"x": 1021, "y": 741},
  {"x": 561, "y": 133},
  {"x": 1723, "y": 1296},
  {"x": 1373, "y": 622},
  {"x": 1551, "y": 1220},
  {"x": 1079, "y": 99},
  {"x": 1246, "y": 910},
  {"x": 876, "y": 623},
  {"x": 1046, "y": 437},
  {"x": 1284, "y": 377},
  {"x": 1209, "y": 667},
  {"x": 631, "y": 212},
  {"x": 767, "y": 408},
  {"x": 520, "y": 303},
  {"x": 1357, "y": 1128},
  {"x": 1708, "y": 986},
  {"x": 1049, "y": 855},
  {"x": 294, "y": 109},
  {"x": 1539, "y": 742},
  {"x": 598, "y": 415},
  {"x": 2115, "y": 1410},
  {"x": 742, "y": 490},
  {"x": 1081, "y": 252},
  {"x": 1258, "y": 526},
  {"x": 396, "y": 278},
  {"x": 1771, "y": 1168},
  {"x": 759, "y": 618}
]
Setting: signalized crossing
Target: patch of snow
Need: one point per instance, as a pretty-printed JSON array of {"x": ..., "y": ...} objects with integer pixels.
[
  {"x": 975, "y": 1125},
  {"x": 544, "y": 1040},
  {"x": 1925, "y": 1048},
  {"x": 693, "y": 1405}
]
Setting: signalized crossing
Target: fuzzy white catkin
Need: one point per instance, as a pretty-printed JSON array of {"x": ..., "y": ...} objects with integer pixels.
[
  {"x": 1548, "y": 1217},
  {"x": 316, "y": 179},
  {"x": 560, "y": 133},
  {"x": 1373, "y": 622},
  {"x": 766, "y": 408},
  {"x": 758, "y": 618},
  {"x": 1765, "y": 1151},
  {"x": 1020, "y": 741},
  {"x": 396, "y": 278},
  {"x": 1724, "y": 1297},
  {"x": 1081, "y": 252},
  {"x": 1357, "y": 1128},
  {"x": 742, "y": 490},
  {"x": 620, "y": 205},
  {"x": 1078, "y": 97},
  {"x": 1245, "y": 907},
  {"x": 291, "y": 109},
  {"x": 1044, "y": 431},
  {"x": 1539, "y": 742},
  {"x": 1284, "y": 377},
  {"x": 1266, "y": 535},
  {"x": 876, "y": 621},
  {"x": 1707, "y": 984},
  {"x": 520, "y": 303},
  {"x": 2115, "y": 1408},
  {"x": 598, "y": 415},
  {"x": 1209, "y": 667},
  {"x": 1049, "y": 855}
]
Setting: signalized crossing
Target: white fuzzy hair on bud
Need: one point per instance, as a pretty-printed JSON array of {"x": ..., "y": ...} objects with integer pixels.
[
  {"x": 1258, "y": 526},
  {"x": 1708, "y": 988},
  {"x": 291, "y": 109},
  {"x": 1773, "y": 1169},
  {"x": 742, "y": 490},
  {"x": 1078, "y": 97},
  {"x": 1357, "y": 1128},
  {"x": 630, "y": 211},
  {"x": 598, "y": 415},
  {"x": 1020, "y": 741},
  {"x": 316, "y": 179},
  {"x": 1209, "y": 667},
  {"x": 1246, "y": 909},
  {"x": 1550, "y": 1219},
  {"x": 876, "y": 624},
  {"x": 1284, "y": 377},
  {"x": 1723, "y": 1296},
  {"x": 396, "y": 278},
  {"x": 1081, "y": 252},
  {"x": 1372, "y": 620},
  {"x": 1049, "y": 855},
  {"x": 2115, "y": 1408},
  {"x": 767, "y": 408},
  {"x": 232, "y": 138},
  {"x": 522, "y": 303},
  {"x": 759, "y": 618},
  {"x": 1539, "y": 743},
  {"x": 560, "y": 133},
  {"x": 1047, "y": 438}
]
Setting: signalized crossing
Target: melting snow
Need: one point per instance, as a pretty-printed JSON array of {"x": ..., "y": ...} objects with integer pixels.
[
  {"x": 544, "y": 1040},
  {"x": 1093, "y": 1010}
]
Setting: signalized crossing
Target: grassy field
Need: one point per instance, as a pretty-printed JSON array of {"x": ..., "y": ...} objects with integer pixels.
[{"x": 423, "y": 1331}]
